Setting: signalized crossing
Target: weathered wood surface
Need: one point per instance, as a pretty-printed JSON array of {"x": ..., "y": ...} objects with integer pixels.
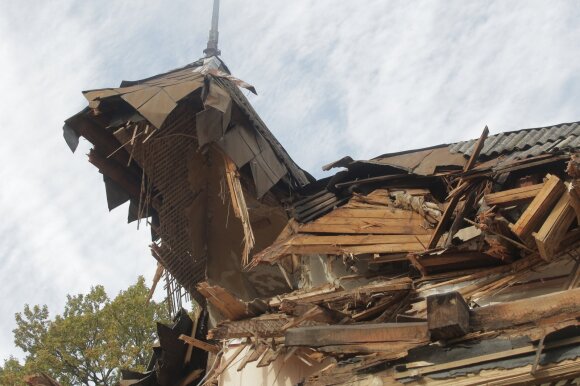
[{"x": 561, "y": 305}]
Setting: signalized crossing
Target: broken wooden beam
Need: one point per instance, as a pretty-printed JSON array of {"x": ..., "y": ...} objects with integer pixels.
[
  {"x": 227, "y": 304},
  {"x": 513, "y": 196},
  {"x": 317, "y": 336},
  {"x": 199, "y": 344},
  {"x": 447, "y": 316},
  {"x": 561, "y": 305},
  {"x": 553, "y": 230},
  {"x": 539, "y": 208},
  {"x": 452, "y": 204}
]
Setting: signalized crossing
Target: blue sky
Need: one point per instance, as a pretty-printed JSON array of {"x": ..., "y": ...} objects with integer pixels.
[{"x": 333, "y": 79}]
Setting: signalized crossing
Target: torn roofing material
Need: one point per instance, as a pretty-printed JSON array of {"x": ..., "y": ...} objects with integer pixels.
[{"x": 155, "y": 98}]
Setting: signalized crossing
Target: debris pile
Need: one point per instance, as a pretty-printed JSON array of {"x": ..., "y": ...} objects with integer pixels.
[
  {"x": 432, "y": 284},
  {"x": 455, "y": 263}
]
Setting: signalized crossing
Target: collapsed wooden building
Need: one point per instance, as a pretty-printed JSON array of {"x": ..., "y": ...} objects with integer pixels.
[{"x": 455, "y": 263}]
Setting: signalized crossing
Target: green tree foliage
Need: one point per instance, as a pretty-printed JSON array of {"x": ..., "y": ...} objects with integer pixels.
[{"x": 90, "y": 342}]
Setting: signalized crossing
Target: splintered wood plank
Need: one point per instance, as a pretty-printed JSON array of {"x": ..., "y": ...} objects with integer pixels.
[
  {"x": 199, "y": 344},
  {"x": 539, "y": 208},
  {"x": 452, "y": 203},
  {"x": 317, "y": 336},
  {"x": 230, "y": 307},
  {"x": 513, "y": 196},
  {"x": 442, "y": 224},
  {"x": 552, "y": 232}
]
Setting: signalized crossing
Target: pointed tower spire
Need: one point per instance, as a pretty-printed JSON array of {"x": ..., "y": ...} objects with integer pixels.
[{"x": 212, "y": 43}]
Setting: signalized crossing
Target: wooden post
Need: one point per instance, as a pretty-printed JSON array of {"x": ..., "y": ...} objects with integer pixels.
[{"x": 447, "y": 316}]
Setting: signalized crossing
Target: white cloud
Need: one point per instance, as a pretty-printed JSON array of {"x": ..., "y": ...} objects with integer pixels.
[{"x": 334, "y": 78}]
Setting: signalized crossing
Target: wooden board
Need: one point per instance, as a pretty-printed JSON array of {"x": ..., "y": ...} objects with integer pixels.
[
  {"x": 317, "y": 336},
  {"x": 539, "y": 208},
  {"x": 552, "y": 232},
  {"x": 513, "y": 196}
]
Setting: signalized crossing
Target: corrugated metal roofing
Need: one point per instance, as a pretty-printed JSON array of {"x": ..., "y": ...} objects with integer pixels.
[{"x": 526, "y": 143}]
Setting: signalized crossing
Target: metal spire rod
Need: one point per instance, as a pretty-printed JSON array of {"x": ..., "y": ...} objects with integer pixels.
[{"x": 212, "y": 43}]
